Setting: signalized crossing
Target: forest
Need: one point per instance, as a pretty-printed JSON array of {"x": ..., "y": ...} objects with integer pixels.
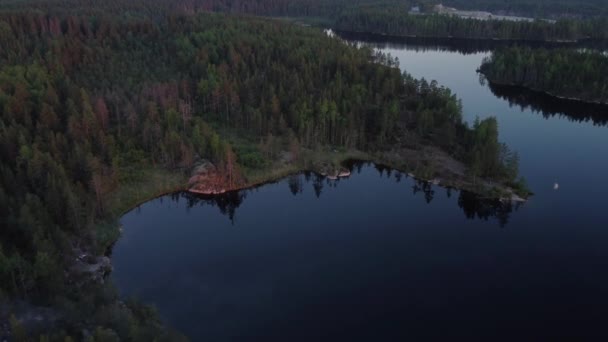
[
  {"x": 577, "y": 20},
  {"x": 567, "y": 73},
  {"x": 536, "y": 8},
  {"x": 91, "y": 103},
  {"x": 581, "y": 9},
  {"x": 397, "y": 22}
]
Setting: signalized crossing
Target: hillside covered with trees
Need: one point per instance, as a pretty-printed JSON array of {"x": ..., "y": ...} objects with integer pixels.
[
  {"x": 91, "y": 104},
  {"x": 565, "y": 73}
]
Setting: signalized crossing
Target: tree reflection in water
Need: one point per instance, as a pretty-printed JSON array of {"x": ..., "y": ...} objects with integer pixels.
[
  {"x": 549, "y": 106},
  {"x": 227, "y": 203},
  {"x": 460, "y": 45},
  {"x": 471, "y": 204}
]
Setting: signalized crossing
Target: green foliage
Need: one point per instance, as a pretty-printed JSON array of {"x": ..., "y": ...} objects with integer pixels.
[
  {"x": 563, "y": 72},
  {"x": 521, "y": 187},
  {"x": 106, "y": 234},
  {"x": 397, "y": 22},
  {"x": 535, "y": 8},
  {"x": 312, "y": 11},
  {"x": 18, "y": 331},
  {"x": 250, "y": 156},
  {"x": 87, "y": 103},
  {"x": 105, "y": 335}
]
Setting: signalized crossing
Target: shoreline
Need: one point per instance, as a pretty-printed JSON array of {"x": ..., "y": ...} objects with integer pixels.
[
  {"x": 563, "y": 42},
  {"x": 428, "y": 164},
  {"x": 444, "y": 183},
  {"x": 273, "y": 178},
  {"x": 176, "y": 181},
  {"x": 445, "y": 176},
  {"x": 543, "y": 92}
]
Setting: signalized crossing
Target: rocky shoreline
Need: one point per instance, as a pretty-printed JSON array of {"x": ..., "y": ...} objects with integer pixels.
[{"x": 207, "y": 179}]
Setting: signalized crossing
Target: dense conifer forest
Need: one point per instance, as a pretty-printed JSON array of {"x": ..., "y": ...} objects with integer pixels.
[
  {"x": 320, "y": 8},
  {"x": 397, "y": 22},
  {"x": 536, "y": 8},
  {"x": 92, "y": 102},
  {"x": 576, "y": 19},
  {"x": 565, "y": 73}
]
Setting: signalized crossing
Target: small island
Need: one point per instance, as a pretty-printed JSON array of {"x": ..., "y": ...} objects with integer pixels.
[{"x": 568, "y": 74}]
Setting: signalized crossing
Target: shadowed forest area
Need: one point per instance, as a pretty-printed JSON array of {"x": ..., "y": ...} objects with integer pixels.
[{"x": 571, "y": 74}]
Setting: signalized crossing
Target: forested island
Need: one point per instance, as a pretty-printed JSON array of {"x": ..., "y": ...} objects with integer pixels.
[
  {"x": 397, "y": 22},
  {"x": 101, "y": 112},
  {"x": 549, "y": 106},
  {"x": 566, "y": 73}
]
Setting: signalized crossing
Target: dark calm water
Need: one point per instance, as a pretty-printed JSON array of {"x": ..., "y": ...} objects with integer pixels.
[{"x": 379, "y": 257}]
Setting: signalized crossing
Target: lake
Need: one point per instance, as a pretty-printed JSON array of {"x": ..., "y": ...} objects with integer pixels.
[{"x": 379, "y": 256}]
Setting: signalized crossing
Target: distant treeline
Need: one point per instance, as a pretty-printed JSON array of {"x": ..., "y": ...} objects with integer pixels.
[
  {"x": 398, "y": 22},
  {"x": 159, "y": 8},
  {"x": 564, "y": 72},
  {"x": 374, "y": 16},
  {"x": 536, "y": 8},
  {"x": 320, "y": 8}
]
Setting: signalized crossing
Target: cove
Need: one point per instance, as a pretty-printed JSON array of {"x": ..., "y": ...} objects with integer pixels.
[
  {"x": 379, "y": 256},
  {"x": 283, "y": 260}
]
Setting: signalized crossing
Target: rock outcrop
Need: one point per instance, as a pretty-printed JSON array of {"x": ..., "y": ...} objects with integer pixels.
[
  {"x": 207, "y": 180},
  {"x": 91, "y": 269},
  {"x": 331, "y": 171}
]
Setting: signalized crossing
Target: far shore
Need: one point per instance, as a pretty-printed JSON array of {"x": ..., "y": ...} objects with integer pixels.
[
  {"x": 564, "y": 42},
  {"x": 538, "y": 91}
]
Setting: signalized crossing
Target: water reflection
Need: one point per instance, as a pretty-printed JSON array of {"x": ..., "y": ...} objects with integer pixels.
[
  {"x": 549, "y": 106},
  {"x": 474, "y": 208},
  {"x": 537, "y": 102},
  {"x": 463, "y": 46},
  {"x": 227, "y": 203},
  {"x": 472, "y": 205},
  {"x": 311, "y": 259}
]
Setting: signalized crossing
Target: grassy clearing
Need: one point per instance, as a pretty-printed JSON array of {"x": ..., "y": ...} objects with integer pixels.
[
  {"x": 278, "y": 171},
  {"x": 308, "y": 160},
  {"x": 332, "y": 156},
  {"x": 151, "y": 183}
]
